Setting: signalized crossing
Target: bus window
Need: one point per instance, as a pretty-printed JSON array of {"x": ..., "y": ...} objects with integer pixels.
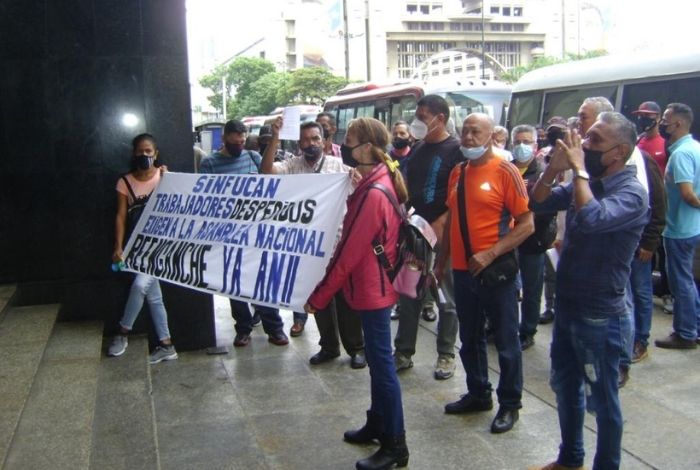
[
  {"x": 525, "y": 109},
  {"x": 663, "y": 92},
  {"x": 403, "y": 109},
  {"x": 462, "y": 106},
  {"x": 345, "y": 115},
  {"x": 365, "y": 110},
  {"x": 566, "y": 103},
  {"x": 382, "y": 111}
]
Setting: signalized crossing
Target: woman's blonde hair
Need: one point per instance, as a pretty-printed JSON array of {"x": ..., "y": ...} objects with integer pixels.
[{"x": 370, "y": 130}]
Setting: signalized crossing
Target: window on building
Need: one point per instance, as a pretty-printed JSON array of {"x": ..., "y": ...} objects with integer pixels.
[
  {"x": 425, "y": 26},
  {"x": 455, "y": 26},
  {"x": 411, "y": 9},
  {"x": 435, "y": 73},
  {"x": 505, "y": 11},
  {"x": 495, "y": 27},
  {"x": 467, "y": 26},
  {"x": 459, "y": 69},
  {"x": 445, "y": 60},
  {"x": 519, "y": 27},
  {"x": 507, "y": 27},
  {"x": 434, "y": 62},
  {"x": 458, "y": 58},
  {"x": 477, "y": 26},
  {"x": 495, "y": 10},
  {"x": 446, "y": 71},
  {"x": 437, "y": 7},
  {"x": 412, "y": 26},
  {"x": 424, "y": 9},
  {"x": 517, "y": 11},
  {"x": 438, "y": 26}
]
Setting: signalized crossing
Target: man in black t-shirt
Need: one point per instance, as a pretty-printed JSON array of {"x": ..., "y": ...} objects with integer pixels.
[{"x": 427, "y": 172}]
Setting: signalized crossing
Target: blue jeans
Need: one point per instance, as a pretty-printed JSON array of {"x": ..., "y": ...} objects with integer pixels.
[
  {"x": 686, "y": 304},
  {"x": 642, "y": 295},
  {"x": 301, "y": 316},
  {"x": 270, "y": 317},
  {"x": 474, "y": 302},
  {"x": 386, "y": 390},
  {"x": 146, "y": 287},
  {"x": 532, "y": 274},
  {"x": 585, "y": 355}
]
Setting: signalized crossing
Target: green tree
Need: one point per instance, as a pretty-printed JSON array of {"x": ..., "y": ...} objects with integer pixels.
[
  {"x": 240, "y": 75},
  {"x": 514, "y": 74},
  {"x": 313, "y": 85},
  {"x": 265, "y": 94}
]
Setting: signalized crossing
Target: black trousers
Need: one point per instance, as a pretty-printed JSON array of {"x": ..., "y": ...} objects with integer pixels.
[{"x": 338, "y": 319}]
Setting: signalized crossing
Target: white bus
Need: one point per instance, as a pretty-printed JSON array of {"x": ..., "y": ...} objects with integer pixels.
[
  {"x": 397, "y": 101},
  {"x": 627, "y": 81}
]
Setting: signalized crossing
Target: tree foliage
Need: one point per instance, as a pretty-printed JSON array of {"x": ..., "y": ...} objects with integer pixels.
[
  {"x": 514, "y": 74},
  {"x": 254, "y": 88}
]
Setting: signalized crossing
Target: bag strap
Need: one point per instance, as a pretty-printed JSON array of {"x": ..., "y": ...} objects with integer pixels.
[
  {"x": 129, "y": 188},
  {"x": 320, "y": 165},
  {"x": 376, "y": 244},
  {"x": 462, "y": 212},
  {"x": 250, "y": 154}
]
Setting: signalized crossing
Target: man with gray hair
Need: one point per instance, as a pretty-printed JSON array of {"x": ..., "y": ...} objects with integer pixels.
[
  {"x": 531, "y": 251},
  {"x": 607, "y": 209}
]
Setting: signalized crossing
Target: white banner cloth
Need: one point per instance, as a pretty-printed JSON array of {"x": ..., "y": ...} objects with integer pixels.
[{"x": 263, "y": 239}]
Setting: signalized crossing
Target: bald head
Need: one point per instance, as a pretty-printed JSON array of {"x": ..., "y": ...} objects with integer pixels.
[{"x": 477, "y": 130}]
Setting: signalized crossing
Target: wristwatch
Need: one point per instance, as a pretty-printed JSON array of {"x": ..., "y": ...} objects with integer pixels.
[{"x": 582, "y": 174}]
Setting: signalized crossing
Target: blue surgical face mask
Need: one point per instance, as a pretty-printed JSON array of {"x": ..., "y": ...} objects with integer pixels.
[
  {"x": 473, "y": 153},
  {"x": 523, "y": 152}
]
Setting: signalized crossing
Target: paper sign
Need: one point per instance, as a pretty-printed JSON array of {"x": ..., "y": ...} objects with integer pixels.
[{"x": 292, "y": 121}]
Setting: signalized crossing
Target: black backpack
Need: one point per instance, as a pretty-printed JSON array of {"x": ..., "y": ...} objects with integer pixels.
[{"x": 416, "y": 251}]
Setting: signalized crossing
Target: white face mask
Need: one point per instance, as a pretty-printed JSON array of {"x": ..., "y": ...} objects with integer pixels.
[
  {"x": 473, "y": 153},
  {"x": 523, "y": 152},
  {"x": 419, "y": 129}
]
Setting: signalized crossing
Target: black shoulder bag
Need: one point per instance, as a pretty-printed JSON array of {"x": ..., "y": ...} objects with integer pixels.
[
  {"x": 504, "y": 268},
  {"x": 135, "y": 208}
]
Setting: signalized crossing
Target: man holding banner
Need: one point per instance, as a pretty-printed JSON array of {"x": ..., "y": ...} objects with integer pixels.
[
  {"x": 232, "y": 159},
  {"x": 337, "y": 318}
]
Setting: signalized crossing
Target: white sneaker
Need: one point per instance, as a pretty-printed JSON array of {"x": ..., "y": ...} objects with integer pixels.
[
  {"x": 445, "y": 367},
  {"x": 162, "y": 353},
  {"x": 117, "y": 346}
]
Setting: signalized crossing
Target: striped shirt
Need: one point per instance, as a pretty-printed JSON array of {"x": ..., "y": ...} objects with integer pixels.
[{"x": 247, "y": 163}]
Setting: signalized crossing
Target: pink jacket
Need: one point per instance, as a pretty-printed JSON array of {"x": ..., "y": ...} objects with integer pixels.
[{"x": 354, "y": 266}]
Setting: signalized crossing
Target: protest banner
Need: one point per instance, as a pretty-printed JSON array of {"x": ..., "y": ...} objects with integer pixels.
[{"x": 263, "y": 239}]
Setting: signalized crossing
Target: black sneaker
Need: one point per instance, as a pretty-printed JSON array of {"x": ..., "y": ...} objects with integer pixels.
[
  {"x": 526, "y": 342},
  {"x": 468, "y": 404},
  {"x": 546, "y": 317}
]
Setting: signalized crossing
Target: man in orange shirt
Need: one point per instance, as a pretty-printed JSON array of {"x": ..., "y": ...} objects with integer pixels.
[{"x": 485, "y": 195}]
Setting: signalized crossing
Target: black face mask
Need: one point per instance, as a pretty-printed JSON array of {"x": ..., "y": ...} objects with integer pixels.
[
  {"x": 663, "y": 131},
  {"x": 346, "y": 154},
  {"x": 234, "y": 150},
  {"x": 399, "y": 143},
  {"x": 311, "y": 153},
  {"x": 593, "y": 160},
  {"x": 143, "y": 162},
  {"x": 646, "y": 123}
]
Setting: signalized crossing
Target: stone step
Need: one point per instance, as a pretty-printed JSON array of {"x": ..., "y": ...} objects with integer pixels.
[
  {"x": 124, "y": 432},
  {"x": 7, "y": 291},
  {"x": 54, "y": 430},
  {"x": 24, "y": 332}
]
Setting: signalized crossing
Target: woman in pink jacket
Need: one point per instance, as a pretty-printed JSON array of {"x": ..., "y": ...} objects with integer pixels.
[{"x": 366, "y": 286}]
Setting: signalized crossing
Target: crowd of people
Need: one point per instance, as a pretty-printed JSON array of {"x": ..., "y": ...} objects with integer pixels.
[{"x": 580, "y": 209}]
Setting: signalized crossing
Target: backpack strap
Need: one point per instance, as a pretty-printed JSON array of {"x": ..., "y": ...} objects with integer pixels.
[
  {"x": 376, "y": 244},
  {"x": 250, "y": 154}
]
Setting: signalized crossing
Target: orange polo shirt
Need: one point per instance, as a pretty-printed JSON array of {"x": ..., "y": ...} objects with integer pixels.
[{"x": 495, "y": 193}]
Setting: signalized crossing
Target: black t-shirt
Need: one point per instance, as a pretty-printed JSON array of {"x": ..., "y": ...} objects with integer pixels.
[{"x": 427, "y": 173}]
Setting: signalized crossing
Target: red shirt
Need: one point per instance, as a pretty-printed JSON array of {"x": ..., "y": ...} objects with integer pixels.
[{"x": 656, "y": 149}]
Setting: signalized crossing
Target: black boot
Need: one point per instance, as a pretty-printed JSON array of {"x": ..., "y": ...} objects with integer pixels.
[
  {"x": 367, "y": 433},
  {"x": 393, "y": 451}
]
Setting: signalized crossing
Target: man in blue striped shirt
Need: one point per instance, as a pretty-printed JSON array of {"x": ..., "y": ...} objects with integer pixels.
[{"x": 233, "y": 159}]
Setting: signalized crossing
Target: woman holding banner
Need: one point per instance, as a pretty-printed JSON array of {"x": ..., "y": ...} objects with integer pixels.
[
  {"x": 356, "y": 270},
  {"x": 133, "y": 191}
]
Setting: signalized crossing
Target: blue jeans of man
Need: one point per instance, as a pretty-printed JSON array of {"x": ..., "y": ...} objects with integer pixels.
[
  {"x": 386, "y": 390},
  {"x": 532, "y": 274},
  {"x": 301, "y": 316},
  {"x": 585, "y": 358},
  {"x": 474, "y": 302},
  {"x": 642, "y": 295},
  {"x": 146, "y": 287},
  {"x": 686, "y": 304},
  {"x": 270, "y": 317}
]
